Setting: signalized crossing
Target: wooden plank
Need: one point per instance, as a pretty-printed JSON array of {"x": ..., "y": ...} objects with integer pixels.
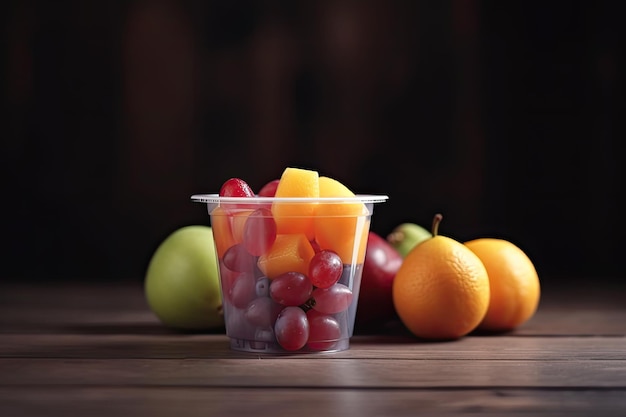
[
  {"x": 580, "y": 322},
  {"x": 325, "y": 372},
  {"x": 203, "y": 402},
  {"x": 96, "y": 349},
  {"x": 121, "y": 308},
  {"x": 85, "y": 295},
  {"x": 362, "y": 347}
]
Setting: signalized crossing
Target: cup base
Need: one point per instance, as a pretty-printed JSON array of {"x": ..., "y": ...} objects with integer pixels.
[{"x": 256, "y": 346}]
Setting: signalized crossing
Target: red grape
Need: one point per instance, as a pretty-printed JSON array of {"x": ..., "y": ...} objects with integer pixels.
[
  {"x": 227, "y": 277},
  {"x": 292, "y": 328},
  {"x": 333, "y": 299},
  {"x": 237, "y": 325},
  {"x": 259, "y": 232},
  {"x": 324, "y": 330},
  {"x": 262, "y": 311},
  {"x": 242, "y": 290},
  {"x": 291, "y": 289},
  {"x": 237, "y": 258},
  {"x": 269, "y": 189},
  {"x": 236, "y": 187},
  {"x": 325, "y": 268}
]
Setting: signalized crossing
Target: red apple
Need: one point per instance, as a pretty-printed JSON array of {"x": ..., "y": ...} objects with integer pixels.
[{"x": 375, "y": 306}]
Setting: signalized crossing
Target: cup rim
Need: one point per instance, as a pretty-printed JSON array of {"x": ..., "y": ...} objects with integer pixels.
[{"x": 358, "y": 198}]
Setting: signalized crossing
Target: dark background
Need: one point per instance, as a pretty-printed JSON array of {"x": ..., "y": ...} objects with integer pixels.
[{"x": 503, "y": 116}]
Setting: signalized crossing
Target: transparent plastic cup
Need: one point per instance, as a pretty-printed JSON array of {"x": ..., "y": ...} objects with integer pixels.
[{"x": 290, "y": 269}]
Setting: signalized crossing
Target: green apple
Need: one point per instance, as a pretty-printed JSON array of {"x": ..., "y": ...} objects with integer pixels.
[
  {"x": 182, "y": 280},
  {"x": 406, "y": 236}
]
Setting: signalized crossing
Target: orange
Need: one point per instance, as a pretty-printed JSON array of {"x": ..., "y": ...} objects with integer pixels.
[
  {"x": 513, "y": 280},
  {"x": 441, "y": 290}
]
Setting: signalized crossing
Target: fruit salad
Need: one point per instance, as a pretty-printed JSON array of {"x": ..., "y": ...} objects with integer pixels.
[{"x": 290, "y": 260}]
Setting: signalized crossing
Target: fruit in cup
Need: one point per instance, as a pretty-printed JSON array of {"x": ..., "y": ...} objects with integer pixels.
[
  {"x": 324, "y": 330},
  {"x": 334, "y": 299},
  {"x": 181, "y": 284},
  {"x": 269, "y": 189},
  {"x": 222, "y": 231},
  {"x": 335, "y": 224},
  {"x": 325, "y": 268},
  {"x": 382, "y": 262},
  {"x": 295, "y": 260},
  {"x": 259, "y": 232},
  {"x": 292, "y": 328},
  {"x": 238, "y": 222},
  {"x": 289, "y": 253},
  {"x": 236, "y": 187},
  {"x": 291, "y": 289},
  {"x": 296, "y": 217}
]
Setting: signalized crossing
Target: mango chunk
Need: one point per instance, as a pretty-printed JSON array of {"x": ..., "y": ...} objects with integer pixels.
[
  {"x": 291, "y": 252},
  {"x": 296, "y": 217},
  {"x": 222, "y": 231},
  {"x": 238, "y": 224},
  {"x": 338, "y": 226},
  {"x": 330, "y": 187},
  {"x": 298, "y": 182}
]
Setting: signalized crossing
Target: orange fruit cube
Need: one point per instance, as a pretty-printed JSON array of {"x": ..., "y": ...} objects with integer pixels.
[
  {"x": 222, "y": 231},
  {"x": 238, "y": 223},
  {"x": 296, "y": 217},
  {"x": 291, "y": 252},
  {"x": 338, "y": 226}
]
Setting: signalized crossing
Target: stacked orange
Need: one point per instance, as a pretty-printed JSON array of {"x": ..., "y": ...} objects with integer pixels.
[{"x": 446, "y": 289}]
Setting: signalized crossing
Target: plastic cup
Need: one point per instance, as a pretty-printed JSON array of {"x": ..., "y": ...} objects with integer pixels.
[{"x": 274, "y": 299}]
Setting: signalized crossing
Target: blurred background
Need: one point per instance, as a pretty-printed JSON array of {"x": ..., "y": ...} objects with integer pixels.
[{"x": 503, "y": 116}]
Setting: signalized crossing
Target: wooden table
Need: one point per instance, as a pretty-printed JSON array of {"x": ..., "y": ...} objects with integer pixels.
[{"x": 96, "y": 350}]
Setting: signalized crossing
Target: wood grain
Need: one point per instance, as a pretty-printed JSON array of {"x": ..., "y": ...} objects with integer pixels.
[
  {"x": 97, "y": 350},
  {"x": 286, "y": 402}
]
